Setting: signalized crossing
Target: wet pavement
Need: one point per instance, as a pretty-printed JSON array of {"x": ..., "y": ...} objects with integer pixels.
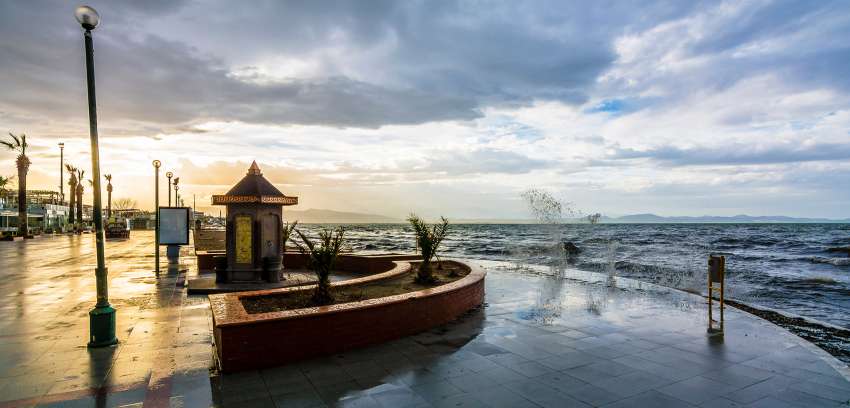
[{"x": 541, "y": 341}]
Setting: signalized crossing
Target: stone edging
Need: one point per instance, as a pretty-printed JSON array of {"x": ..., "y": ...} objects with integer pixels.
[{"x": 247, "y": 341}]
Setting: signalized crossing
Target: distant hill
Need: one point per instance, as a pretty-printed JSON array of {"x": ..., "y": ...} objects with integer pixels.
[
  {"x": 706, "y": 219},
  {"x": 316, "y": 216}
]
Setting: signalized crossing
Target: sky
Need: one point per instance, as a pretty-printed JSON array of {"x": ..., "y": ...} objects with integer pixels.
[{"x": 447, "y": 108}]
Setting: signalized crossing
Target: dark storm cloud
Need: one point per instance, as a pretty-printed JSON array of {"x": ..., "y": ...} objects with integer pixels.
[{"x": 443, "y": 61}]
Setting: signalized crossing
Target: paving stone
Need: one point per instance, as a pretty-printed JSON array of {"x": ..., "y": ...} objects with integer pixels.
[
  {"x": 593, "y": 395},
  {"x": 757, "y": 391},
  {"x": 531, "y": 369},
  {"x": 698, "y": 389},
  {"x": 653, "y": 399},
  {"x": 472, "y": 382},
  {"x": 436, "y": 391}
]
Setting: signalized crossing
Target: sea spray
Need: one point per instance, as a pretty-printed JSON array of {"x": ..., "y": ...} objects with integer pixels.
[
  {"x": 611, "y": 269},
  {"x": 767, "y": 264}
]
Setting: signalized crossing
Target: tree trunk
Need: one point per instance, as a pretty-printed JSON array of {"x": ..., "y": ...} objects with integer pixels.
[
  {"x": 23, "y": 223},
  {"x": 72, "y": 203},
  {"x": 322, "y": 295},
  {"x": 80, "y": 204},
  {"x": 109, "y": 201}
]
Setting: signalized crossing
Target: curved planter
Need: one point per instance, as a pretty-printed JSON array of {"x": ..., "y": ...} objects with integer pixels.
[{"x": 248, "y": 341}]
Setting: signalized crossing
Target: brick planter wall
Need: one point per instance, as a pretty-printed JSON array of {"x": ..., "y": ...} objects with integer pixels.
[{"x": 248, "y": 341}]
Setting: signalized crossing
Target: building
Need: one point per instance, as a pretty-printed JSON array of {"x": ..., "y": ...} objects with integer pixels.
[{"x": 45, "y": 212}]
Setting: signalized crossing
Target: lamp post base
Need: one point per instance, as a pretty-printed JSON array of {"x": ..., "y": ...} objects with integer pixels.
[
  {"x": 102, "y": 327},
  {"x": 172, "y": 252}
]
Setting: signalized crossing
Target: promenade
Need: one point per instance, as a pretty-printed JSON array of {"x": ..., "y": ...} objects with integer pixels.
[{"x": 540, "y": 341}]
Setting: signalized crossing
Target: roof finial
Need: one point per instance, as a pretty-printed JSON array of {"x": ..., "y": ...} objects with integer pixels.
[{"x": 255, "y": 170}]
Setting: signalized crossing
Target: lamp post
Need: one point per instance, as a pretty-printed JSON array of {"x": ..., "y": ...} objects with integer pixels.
[
  {"x": 169, "y": 175},
  {"x": 61, "y": 173},
  {"x": 102, "y": 317},
  {"x": 172, "y": 252},
  {"x": 176, "y": 188},
  {"x": 156, "y": 164}
]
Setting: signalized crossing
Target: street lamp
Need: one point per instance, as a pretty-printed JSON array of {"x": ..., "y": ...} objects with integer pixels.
[
  {"x": 156, "y": 164},
  {"x": 176, "y": 181},
  {"x": 102, "y": 317},
  {"x": 61, "y": 173},
  {"x": 169, "y": 175}
]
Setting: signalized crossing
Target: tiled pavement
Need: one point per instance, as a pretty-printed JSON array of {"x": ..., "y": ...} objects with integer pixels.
[{"x": 539, "y": 342}]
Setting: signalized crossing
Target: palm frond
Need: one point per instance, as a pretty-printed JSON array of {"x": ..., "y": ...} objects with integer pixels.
[{"x": 15, "y": 138}]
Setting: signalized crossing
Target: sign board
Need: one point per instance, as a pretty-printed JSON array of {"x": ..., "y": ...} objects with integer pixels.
[
  {"x": 174, "y": 225},
  {"x": 716, "y": 268},
  {"x": 243, "y": 239}
]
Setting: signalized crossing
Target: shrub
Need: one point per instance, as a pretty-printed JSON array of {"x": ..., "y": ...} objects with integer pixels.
[
  {"x": 322, "y": 256},
  {"x": 427, "y": 240},
  {"x": 286, "y": 235}
]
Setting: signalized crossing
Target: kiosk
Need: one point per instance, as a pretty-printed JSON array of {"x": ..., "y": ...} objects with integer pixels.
[{"x": 254, "y": 221}]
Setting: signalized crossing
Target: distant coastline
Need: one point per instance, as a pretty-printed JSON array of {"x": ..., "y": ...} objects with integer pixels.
[{"x": 321, "y": 216}]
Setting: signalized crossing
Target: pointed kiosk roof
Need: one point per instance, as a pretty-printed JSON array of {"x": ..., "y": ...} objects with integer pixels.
[{"x": 254, "y": 188}]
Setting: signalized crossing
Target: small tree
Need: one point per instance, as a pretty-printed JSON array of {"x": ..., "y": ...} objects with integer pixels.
[
  {"x": 427, "y": 240},
  {"x": 4, "y": 181},
  {"x": 285, "y": 235},
  {"x": 121, "y": 204},
  {"x": 322, "y": 257}
]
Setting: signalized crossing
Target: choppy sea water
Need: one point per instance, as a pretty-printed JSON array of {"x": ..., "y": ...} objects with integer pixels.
[{"x": 782, "y": 266}]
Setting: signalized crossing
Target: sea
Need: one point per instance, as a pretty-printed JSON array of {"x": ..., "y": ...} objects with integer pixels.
[{"x": 786, "y": 267}]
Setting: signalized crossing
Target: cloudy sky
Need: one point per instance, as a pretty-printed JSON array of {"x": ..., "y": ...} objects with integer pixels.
[{"x": 439, "y": 107}]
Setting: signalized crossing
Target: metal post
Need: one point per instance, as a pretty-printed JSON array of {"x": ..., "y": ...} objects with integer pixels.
[
  {"x": 168, "y": 175},
  {"x": 61, "y": 173},
  {"x": 102, "y": 317},
  {"x": 156, "y": 164}
]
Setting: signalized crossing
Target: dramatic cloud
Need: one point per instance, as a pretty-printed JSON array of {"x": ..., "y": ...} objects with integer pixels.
[{"x": 383, "y": 106}]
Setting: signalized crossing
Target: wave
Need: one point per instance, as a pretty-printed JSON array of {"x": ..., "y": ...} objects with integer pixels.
[{"x": 831, "y": 261}]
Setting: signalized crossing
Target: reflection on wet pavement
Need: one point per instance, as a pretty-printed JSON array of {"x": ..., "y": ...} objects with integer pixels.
[{"x": 569, "y": 339}]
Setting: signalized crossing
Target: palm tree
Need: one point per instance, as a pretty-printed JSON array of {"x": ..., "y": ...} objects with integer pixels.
[
  {"x": 108, "y": 178},
  {"x": 19, "y": 144},
  {"x": 72, "y": 181},
  {"x": 321, "y": 260},
  {"x": 80, "y": 174},
  {"x": 427, "y": 240}
]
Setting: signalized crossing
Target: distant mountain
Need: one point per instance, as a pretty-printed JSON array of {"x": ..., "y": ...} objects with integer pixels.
[
  {"x": 707, "y": 219},
  {"x": 316, "y": 216},
  {"x": 658, "y": 219}
]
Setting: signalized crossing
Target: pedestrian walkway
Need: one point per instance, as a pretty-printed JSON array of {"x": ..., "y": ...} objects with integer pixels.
[{"x": 541, "y": 341}]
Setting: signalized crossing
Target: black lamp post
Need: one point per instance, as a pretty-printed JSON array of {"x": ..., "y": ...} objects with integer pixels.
[
  {"x": 156, "y": 164},
  {"x": 61, "y": 173},
  {"x": 176, "y": 188},
  {"x": 102, "y": 317},
  {"x": 169, "y": 175}
]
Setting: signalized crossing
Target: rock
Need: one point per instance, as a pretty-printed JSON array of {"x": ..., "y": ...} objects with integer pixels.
[
  {"x": 571, "y": 249},
  {"x": 845, "y": 250}
]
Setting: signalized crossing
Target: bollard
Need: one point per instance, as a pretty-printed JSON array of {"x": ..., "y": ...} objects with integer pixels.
[{"x": 716, "y": 283}]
